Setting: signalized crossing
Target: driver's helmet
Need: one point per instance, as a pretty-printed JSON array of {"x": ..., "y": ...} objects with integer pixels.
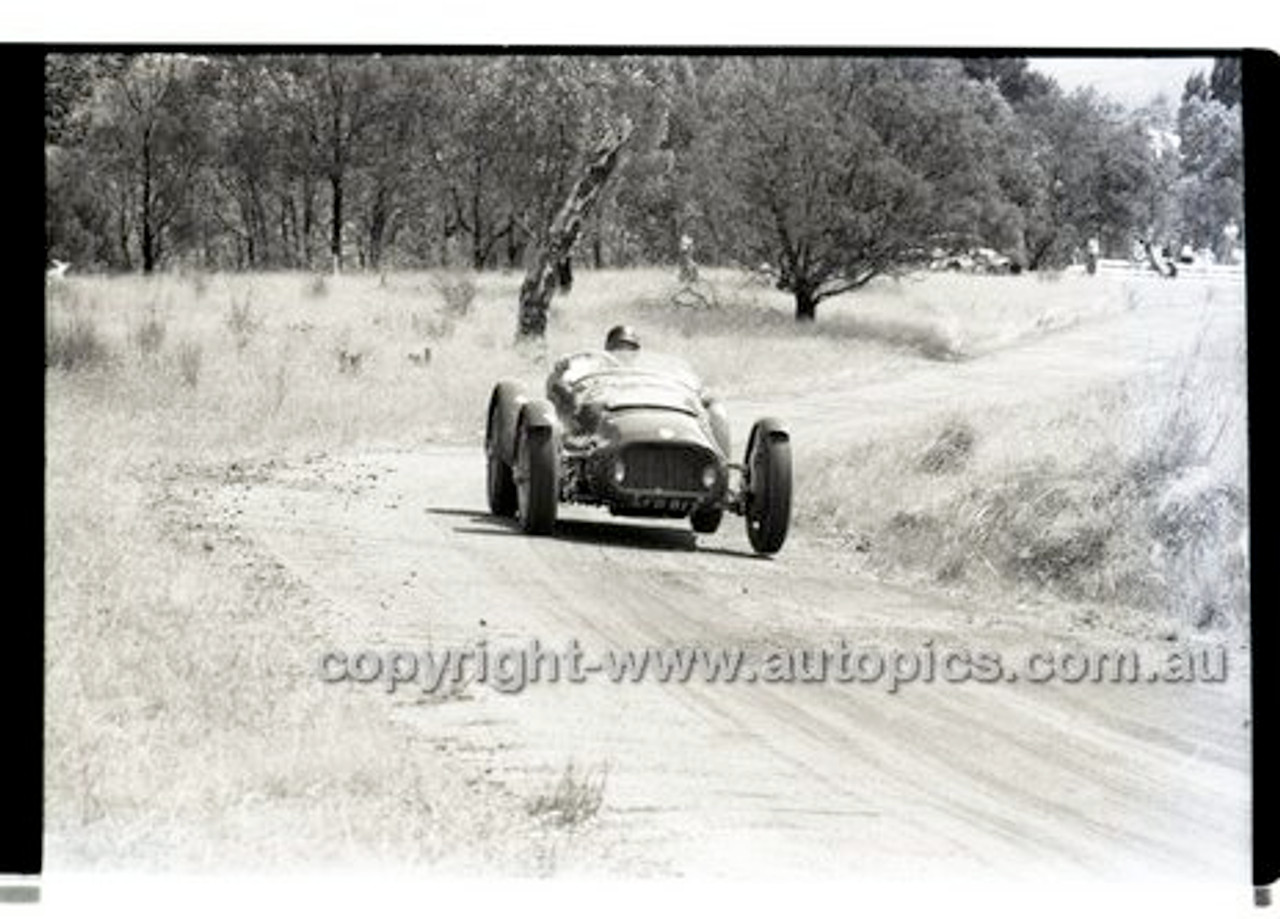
[{"x": 620, "y": 338}]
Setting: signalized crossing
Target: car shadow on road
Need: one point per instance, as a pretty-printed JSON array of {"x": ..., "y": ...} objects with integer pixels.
[
  {"x": 627, "y": 535},
  {"x": 603, "y": 533}
]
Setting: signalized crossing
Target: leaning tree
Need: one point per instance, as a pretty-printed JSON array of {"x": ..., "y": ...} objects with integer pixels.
[
  {"x": 548, "y": 269},
  {"x": 616, "y": 103}
]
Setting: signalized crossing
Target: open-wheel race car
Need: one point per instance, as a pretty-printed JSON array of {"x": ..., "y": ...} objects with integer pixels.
[{"x": 635, "y": 432}]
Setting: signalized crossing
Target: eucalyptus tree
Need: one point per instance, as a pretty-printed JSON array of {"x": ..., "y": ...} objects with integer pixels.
[
  {"x": 146, "y": 133},
  {"x": 835, "y": 170}
]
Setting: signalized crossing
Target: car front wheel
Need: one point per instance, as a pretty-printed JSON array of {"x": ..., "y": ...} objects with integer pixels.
[
  {"x": 768, "y": 506},
  {"x": 501, "y": 487}
]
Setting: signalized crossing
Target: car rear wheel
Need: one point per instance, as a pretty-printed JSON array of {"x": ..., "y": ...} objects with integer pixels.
[
  {"x": 536, "y": 479},
  {"x": 768, "y": 506}
]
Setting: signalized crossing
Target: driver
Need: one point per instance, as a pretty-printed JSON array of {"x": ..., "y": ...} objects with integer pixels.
[
  {"x": 620, "y": 346},
  {"x": 622, "y": 338}
]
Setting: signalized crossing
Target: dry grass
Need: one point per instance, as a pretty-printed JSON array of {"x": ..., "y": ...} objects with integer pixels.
[
  {"x": 149, "y": 335},
  {"x": 185, "y": 729},
  {"x": 458, "y": 291},
  {"x": 271, "y": 378},
  {"x": 72, "y": 340},
  {"x": 574, "y": 799},
  {"x": 182, "y": 726},
  {"x": 241, "y": 321},
  {"x": 1135, "y": 494}
]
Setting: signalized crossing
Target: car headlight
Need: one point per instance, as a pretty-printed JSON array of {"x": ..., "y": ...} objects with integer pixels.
[
  {"x": 619, "y": 471},
  {"x": 709, "y": 476}
]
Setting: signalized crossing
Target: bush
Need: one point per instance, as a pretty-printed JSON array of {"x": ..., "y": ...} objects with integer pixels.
[
  {"x": 74, "y": 344},
  {"x": 574, "y": 800},
  {"x": 199, "y": 281},
  {"x": 458, "y": 292},
  {"x": 242, "y": 323},
  {"x": 190, "y": 358},
  {"x": 149, "y": 336},
  {"x": 318, "y": 286},
  {"x": 951, "y": 450}
]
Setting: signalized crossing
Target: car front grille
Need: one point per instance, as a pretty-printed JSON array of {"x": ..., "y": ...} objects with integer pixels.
[{"x": 665, "y": 467}]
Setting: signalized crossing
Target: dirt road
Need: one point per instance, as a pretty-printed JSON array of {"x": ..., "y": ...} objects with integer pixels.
[
  {"x": 1064, "y": 360},
  {"x": 761, "y": 778}
]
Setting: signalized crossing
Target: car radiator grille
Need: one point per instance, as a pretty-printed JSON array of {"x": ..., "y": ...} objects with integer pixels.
[{"x": 669, "y": 468}]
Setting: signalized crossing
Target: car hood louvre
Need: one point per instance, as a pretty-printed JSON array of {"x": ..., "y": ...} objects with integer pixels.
[{"x": 650, "y": 407}]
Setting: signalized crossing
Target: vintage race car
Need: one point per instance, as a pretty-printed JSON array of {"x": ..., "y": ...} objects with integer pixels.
[{"x": 637, "y": 434}]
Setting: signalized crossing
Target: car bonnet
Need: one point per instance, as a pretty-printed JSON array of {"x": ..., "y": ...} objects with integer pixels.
[{"x": 631, "y": 389}]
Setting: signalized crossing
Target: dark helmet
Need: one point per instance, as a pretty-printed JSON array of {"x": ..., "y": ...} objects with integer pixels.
[{"x": 622, "y": 337}]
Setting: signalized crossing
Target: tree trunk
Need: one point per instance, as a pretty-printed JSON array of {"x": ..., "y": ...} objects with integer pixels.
[
  {"x": 806, "y": 305},
  {"x": 260, "y": 224},
  {"x": 123, "y": 231},
  {"x": 515, "y": 249},
  {"x": 335, "y": 243},
  {"x": 148, "y": 232},
  {"x": 288, "y": 244},
  {"x": 308, "y": 221},
  {"x": 552, "y": 256},
  {"x": 446, "y": 231},
  {"x": 148, "y": 246},
  {"x": 477, "y": 222}
]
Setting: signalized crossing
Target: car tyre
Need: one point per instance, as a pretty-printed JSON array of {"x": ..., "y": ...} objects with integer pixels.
[
  {"x": 501, "y": 484},
  {"x": 536, "y": 479},
  {"x": 503, "y": 500},
  {"x": 706, "y": 519},
  {"x": 768, "y": 504}
]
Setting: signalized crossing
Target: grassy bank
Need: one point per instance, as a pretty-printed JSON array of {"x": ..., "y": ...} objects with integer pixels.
[
  {"x": 1133, "y": 492},
  {"x": 283, "y": 361}
]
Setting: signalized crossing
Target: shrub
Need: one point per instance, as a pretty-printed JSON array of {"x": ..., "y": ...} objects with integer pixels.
[
  {"x": 190, "y": 358},
  {"x": 149, "y": 336},
  {"x": 574, "y": 799},
  {"x": 74, "y": 344},
  {"x": 951, "y": 450},
  {"x": 242, "y": 323},
  {"x": 317, "y": 286},
  {"x": 349, "y": 360},
  {"x": 458, "y": 292}
]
